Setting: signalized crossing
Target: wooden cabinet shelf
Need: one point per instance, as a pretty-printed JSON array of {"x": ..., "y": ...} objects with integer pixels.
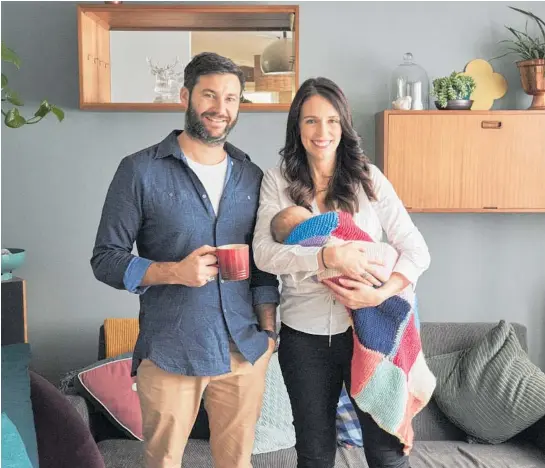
[
  {"x": 172, "y": 107},
  {"x": 464, "y": 161},
  {"x": 97, "y": 21}
]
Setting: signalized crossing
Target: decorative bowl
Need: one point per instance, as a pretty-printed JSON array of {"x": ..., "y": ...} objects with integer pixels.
[
  {"x": 11, "y": 261},
  {"x": 456, "y": 104}
]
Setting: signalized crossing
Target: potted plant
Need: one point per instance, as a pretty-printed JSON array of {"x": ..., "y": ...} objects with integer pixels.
[
  {"x": 453, "y": 92},
  {"x": 12, "y": 117},
  {"x": 531, "y": 51}
]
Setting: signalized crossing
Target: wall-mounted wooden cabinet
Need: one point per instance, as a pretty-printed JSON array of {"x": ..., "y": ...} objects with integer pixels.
[
  {"x": 464, "y": 161},
  {"x": 115, "y": 43}
]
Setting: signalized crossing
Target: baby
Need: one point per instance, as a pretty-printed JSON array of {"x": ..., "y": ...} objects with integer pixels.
[{"x": 289, "y": 227}]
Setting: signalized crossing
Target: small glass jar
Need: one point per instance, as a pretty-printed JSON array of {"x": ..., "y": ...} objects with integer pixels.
[{"x": 409, "y": 87}]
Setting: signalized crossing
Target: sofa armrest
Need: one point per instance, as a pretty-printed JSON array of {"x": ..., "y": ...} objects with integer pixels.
[
  {"x": 81, "y": 406},
  {"x": 100, "y": 426},
  {"x": 536, "y": 434}
]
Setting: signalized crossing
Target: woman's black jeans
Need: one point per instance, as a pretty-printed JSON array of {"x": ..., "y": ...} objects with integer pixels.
[{"x": 314, "y": 374}]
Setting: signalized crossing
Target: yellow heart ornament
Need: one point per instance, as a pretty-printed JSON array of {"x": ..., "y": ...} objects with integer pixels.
[{"x": 489, "y": 84}]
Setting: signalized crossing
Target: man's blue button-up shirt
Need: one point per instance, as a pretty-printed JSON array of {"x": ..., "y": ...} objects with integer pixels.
[{"x": 157, "y": 201}]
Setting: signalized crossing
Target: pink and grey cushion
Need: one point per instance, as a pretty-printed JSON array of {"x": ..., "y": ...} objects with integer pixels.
[{"x": 109, "y": 386}]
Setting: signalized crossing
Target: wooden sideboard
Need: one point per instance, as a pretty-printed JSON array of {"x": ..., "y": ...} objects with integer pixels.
[
  {"x": 464, "y": 161},
  {"x": 14, "y": 322}
]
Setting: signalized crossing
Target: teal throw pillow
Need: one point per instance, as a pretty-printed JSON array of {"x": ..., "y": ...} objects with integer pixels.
[
  {"x": 14, "y": 453},
  {"x": 16, "y": 401}
]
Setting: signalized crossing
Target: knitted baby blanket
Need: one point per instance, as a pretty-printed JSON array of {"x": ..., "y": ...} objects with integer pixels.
[{"x": 390, "y": 378}]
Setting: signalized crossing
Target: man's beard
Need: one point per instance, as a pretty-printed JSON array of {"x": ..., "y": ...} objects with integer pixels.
[{"x": 198, "y": 131}]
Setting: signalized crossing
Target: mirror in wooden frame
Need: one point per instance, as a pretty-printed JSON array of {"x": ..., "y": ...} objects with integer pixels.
[{"x": 131, "y": 57}]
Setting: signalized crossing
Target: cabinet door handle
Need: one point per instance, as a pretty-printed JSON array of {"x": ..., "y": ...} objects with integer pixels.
[
  {"x": 491, "y": 124},
  {"x": 490, "y": 207}
]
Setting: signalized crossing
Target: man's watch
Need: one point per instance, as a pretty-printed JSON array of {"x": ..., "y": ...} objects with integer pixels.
[{"x": 271, "y": 334}]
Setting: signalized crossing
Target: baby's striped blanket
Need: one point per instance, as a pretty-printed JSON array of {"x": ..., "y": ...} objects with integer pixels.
[{"x": 390, "y": 378}]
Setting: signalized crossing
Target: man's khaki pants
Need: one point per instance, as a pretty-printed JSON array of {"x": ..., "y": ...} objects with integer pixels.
[{"x": 170, "y": 403}]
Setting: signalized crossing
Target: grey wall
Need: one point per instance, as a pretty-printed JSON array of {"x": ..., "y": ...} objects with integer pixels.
[{"x": 54, "y": 176}]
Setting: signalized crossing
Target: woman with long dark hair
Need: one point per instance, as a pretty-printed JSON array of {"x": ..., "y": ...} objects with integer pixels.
[{"x": 323, "y": 168}]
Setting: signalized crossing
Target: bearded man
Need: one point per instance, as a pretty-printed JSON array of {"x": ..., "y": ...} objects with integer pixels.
[{"x": 178, "y": 200}]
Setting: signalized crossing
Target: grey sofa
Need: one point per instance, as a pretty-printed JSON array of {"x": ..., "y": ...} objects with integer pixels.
[{"x": 438, "y": 442}]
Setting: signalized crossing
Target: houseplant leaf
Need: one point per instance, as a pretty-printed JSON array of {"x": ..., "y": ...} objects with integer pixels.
[
  {"x": 524, "y": 45},
  {"x": 537, "y": 19},
  {"x": 59, "y": 113},
  {"x": 14, "y": 119},
  {"x": 13, "y": 97},
  {"x": 9, "y": 55},
  {"x": 43, "y": 110}
]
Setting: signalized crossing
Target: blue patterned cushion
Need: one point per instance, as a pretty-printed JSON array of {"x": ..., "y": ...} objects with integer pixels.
[{"x": 349, "y": 433}]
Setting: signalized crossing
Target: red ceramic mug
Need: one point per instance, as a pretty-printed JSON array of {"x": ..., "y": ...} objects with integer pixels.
[{"x": 233, "y": 261}]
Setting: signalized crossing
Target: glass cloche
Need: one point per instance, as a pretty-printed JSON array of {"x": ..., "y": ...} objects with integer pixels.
[{"x": 409, "y": 87}]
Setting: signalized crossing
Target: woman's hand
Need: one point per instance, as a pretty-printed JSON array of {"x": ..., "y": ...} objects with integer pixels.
[
  {"x": 356, "y": 294},
  {"x": 351, "y": 260}
]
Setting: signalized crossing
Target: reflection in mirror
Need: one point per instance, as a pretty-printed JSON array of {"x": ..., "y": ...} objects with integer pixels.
[{"x": 147, "y": 66}]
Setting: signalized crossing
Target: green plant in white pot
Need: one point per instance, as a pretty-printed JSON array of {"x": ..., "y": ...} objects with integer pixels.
[
  {"x": 453, "y": 92},
  {"x": 12, "y": 116}
]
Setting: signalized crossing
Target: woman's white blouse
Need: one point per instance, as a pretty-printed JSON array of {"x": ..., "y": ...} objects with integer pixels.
[{"x": 305, "y": 304}]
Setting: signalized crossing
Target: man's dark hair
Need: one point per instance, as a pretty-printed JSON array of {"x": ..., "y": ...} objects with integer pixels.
[{"x": 208, "y": 63}]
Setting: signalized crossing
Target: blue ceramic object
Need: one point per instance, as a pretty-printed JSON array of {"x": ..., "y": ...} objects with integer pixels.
[{"x": 12, "y": 261}]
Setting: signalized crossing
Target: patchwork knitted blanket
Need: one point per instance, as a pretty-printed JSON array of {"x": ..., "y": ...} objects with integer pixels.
[{"x": 390, "y": 378}]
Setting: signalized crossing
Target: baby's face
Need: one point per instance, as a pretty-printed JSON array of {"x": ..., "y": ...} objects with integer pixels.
[{"x": 288, "y": 220}]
